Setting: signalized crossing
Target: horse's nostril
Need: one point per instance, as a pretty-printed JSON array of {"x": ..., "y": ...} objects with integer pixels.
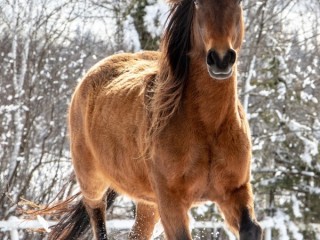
[
  {"x": 231, "y": 56},
  {"x": 212, "y": 58}
]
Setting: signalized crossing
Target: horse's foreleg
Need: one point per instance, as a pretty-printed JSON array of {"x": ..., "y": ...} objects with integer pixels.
[
  {"x": 173, "y": 210},
  {"x": 239, "y": 213},
  {"x": 146, "y": 217},
  {"x": 249, "y": 228}
]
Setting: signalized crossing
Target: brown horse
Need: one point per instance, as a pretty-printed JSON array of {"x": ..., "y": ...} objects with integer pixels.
[{"x": 165, "y": 128}]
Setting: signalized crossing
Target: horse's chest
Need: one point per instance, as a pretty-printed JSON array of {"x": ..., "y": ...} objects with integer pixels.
[
  {"x": 202, "y": 168},
  {"x": 216, "y": 170}
]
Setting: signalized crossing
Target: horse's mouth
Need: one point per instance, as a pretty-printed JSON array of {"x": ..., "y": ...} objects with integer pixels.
[{"x": 220, "y": 74}]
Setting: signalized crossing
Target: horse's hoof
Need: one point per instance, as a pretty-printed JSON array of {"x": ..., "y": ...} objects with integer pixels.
[{"x": 251, "y": 231}]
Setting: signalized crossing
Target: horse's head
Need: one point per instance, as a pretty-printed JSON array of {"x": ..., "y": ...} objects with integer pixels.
[{"x": 218, "y": 34}]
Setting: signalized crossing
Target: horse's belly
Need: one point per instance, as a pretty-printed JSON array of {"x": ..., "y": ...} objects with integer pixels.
[
  {"x": 124, "y": 165},
  {"x": 118, "y": 141}
]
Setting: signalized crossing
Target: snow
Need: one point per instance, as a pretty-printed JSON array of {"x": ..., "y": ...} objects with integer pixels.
[
  {"x": 306, "y": 97},
  {"x": 15, "y": 223},
  {"x": 281, "y": 90},
  {"x": 203, "y": 208},
  {"x": 131, "y": 37},
  {"x": 316, "y": 128},
  {"x": 158, "y": 230},
  {"x": 265, "y": 93},
  {"x": 258, "y": 145},
  {"x": 45, "y": 225},
  {"x": 297, "y": 127},
  {"x": 296, "y": 206},
  {"x": 248, "y": 87},
  {"x": 159, "y": 11},
  {"x": 281, "y": 222},
  {"x": 310, "y": 145}
]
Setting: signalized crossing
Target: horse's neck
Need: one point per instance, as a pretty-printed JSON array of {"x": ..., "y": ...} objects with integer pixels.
[{"x": 214, "y": 101}]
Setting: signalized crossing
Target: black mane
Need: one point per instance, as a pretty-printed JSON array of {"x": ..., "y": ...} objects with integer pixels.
[
  {"x": 177, "y": 38},
  {"x": 167, "y": 91}
]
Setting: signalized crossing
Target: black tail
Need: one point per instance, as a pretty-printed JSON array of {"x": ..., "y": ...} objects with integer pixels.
[{"x": 75, "y": 224}]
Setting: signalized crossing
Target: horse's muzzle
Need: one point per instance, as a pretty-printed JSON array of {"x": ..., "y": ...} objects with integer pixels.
[{"x": 221, "y": 67}]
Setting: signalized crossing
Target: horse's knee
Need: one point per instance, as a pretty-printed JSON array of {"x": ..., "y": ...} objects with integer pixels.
[{"x": 249, "y": 229}]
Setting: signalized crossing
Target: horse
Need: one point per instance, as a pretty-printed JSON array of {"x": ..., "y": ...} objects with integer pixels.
[{"x": 165, "y": 128}]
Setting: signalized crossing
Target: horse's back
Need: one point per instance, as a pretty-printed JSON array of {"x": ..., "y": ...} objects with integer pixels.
[
  {"x": 113, "y": 88},
  {"x": 108, "y": 117},
  {"x": 114, "y": 76},
  {"x": 114, "y": 66}
]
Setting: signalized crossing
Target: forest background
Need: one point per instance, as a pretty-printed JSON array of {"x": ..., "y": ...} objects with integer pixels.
[{"x": 46, "y": 46}]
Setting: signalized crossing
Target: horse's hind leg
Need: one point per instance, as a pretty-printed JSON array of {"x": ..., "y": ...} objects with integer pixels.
[
  {"x": 96, "y": 210},
  {"x": 97, "y": 213},
  {"x": 95, "y": 202},
  {"x": 239, "y": 213},
  {"x": 146, "y": 217},
  {"x": 93, "y": 189},
  {"x": 92, "y": 183}
]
